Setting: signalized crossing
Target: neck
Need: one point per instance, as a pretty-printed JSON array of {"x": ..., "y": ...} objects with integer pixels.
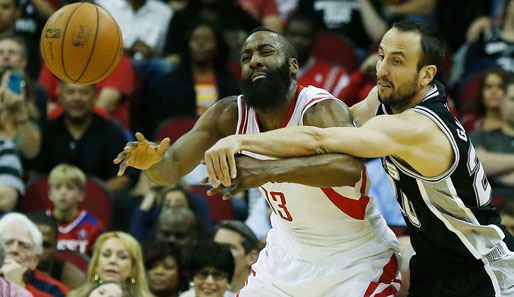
[
  {"x": 66, "y": 215},
  {"x": 238, "y": 282},
  {"x": 508, "y": 128},
  {"x": 203, "y": 70},
  {"x": 272, "y": 117},
  {"x": 492, "y": 119},
  {"x": 77, "y": 127},
  {"x": 414, "y": 101},
  {"x": 137, "y": 6}
]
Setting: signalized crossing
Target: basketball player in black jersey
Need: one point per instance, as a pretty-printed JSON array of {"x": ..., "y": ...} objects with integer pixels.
[{"x": 461, "y": 248}]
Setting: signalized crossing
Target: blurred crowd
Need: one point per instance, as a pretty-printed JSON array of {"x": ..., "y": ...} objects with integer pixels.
[{"x": 70, "y": 226}]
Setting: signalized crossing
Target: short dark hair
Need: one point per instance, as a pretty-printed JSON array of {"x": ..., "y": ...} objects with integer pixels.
[
  {"x": 303, "y": 17},
  {"x": 41, "y": 218},
  {"x": 159, "y": 250},
  {"x": 290, "y": 49},
  {"x": 208, "y": 253},
  {"x": 432, "y": 44},
  {"x": 249, "y": 240}
]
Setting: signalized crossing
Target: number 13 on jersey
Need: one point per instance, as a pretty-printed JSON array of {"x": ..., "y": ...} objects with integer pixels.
[{"x": 277, "y": 202}]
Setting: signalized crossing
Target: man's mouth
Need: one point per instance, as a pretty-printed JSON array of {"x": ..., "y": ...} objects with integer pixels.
[{"x": 257, "y": 76}]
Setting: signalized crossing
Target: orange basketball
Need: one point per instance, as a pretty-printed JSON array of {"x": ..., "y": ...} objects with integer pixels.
[{"x": 81, "y": 43}]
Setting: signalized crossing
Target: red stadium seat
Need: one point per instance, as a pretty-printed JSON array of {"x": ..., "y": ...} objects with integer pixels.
[
  {"x": 235, "y": 69},
  {"x": 97, "y": 199},
  {"x": 75, "y": 258},
  {"x": 220, "y": 209},
  {"x": 174, "y": 128},
  {"x": 335, "y": 49}
]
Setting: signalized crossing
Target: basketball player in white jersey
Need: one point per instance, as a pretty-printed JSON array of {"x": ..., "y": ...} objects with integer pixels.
[
  {"x": 327, "y": 236},
  {"x": 461, "y": 248}
]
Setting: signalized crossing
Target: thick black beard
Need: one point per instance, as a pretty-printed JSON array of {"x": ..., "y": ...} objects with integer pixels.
[
  {"x": 269, "y": 91},
  {"x": 402, "y": 97}
]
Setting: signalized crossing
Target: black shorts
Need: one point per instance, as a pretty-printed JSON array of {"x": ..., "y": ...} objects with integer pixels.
[{"x": 472, "y": 283}]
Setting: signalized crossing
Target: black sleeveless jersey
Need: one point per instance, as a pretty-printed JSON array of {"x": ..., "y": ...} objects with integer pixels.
[{"x": 452, "y": 223}]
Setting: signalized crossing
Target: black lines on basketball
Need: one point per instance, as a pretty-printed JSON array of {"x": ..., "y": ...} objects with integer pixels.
[
  {"x": 64, "y": 38},
  {"x": 93, "y": 48}
]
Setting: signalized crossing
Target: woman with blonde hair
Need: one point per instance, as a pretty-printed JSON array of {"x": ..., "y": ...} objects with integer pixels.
[{"x": 117, "y": 257}]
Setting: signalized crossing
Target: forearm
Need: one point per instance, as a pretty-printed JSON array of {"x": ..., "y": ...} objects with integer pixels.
[
  {"x": 327, "y": 170},
  {"x": 423, "y": 7},
  {"x": 44, "y": 8},
  {"x": 29, "y": 139},
  {"x": 374, "y": 25},
  {"x": 496, "y": 163},
  {"x": 8, "y": 198},
  {"x": 118, "y": 183},
  {"x": 164, "y": 173}
]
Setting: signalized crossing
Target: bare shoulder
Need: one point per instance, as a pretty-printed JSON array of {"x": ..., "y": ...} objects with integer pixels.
[
  {"x": 328, "y": 113},
  {"x": 221, "y": 116}
]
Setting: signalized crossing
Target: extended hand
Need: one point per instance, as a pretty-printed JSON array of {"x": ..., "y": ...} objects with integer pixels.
[
  {"x": 220, "y": 162},
  {"x": 141, "y": 154},
  {"x": 252, "y": 173}
]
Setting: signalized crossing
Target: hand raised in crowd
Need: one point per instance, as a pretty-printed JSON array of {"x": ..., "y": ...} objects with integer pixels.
[
  {"x": 220, "y": 161},
  {"x": 141, "y": 154},
  {"x": 13, "y": 271},
  {"x": 251, "y": 173}
]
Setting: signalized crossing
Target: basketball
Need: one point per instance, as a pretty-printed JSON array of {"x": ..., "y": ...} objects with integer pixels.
[{"x": 81, "y": 43}]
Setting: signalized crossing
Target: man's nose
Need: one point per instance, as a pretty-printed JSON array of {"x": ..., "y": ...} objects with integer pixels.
[
  {"x": 256, "y": 61},
  {"x": 382, "y": 69}
]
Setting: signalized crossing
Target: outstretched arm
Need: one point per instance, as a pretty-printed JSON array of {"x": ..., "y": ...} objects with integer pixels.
[
  {"x": 166, "y": 165},
  {"x": 319, "y": 170},
  {"x": 409, "y": 136}
]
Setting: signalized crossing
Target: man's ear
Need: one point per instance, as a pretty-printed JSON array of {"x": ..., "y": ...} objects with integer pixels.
[
  {"x": 428, "y": 73},
  {"x": 294, "y": 66},
  {"x": 251, "y": 257}
]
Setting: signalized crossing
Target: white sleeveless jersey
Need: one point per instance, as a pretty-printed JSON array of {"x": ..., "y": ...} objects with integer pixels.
[{"x": 316, "y": 223}]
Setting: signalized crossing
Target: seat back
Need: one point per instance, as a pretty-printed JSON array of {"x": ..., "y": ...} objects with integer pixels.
[
  {"x": 469, "y": 91},
  {"x": 174, "y": 128},
  {"x": 97, "y": 199},
  {"x": 335, "y": 49},
  {"x": 219, "y": 209}
]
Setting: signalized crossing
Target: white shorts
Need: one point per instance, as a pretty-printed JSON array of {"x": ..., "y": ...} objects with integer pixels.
[{"x": 372, "y": 272}]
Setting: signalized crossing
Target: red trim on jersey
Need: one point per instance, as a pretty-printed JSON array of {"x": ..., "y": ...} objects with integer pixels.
[
  {"x": 290, "y": 111},
  {"x": 243, "y": 117},
  {"x": 354, "y": 208},
  {"x": 387, "y": 277},
  {"x": 314, "y": 100}
]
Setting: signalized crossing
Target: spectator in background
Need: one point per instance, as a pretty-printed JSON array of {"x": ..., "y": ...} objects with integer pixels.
[
  {"x": 301, "y": 29},
  {"x": 212, "y": 268},
  {"x": 495, "y": 48},
  {"x": 144, "y": 218},
  {"x": 265, "y": 11},
  {"x": 12, "y": 107},
  {"x": 235, "y": 23},
  {"x": 115, "y": 93},
  {"x": 63, "y": 271},
  {"x": 495, "y": 148},
  {"x": 28, "y": 137},
  {"x": 78, "y": 230},
  {"x": 244, "y": 247},
  {"x": 199, "y": 81},
  {"x": 484, "y": 112},
  {"x": 117, "y": 257},
  {"x": 82, "y": 138},
  {"x": 23, "y": 243},
  {"x": 165, "y": 269},
  {"x": 362, "y": 21},
  {"x": 143, "y": 23},
  {"x": 8, "y": 288},
  {"x": 178, "y": 225}
]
